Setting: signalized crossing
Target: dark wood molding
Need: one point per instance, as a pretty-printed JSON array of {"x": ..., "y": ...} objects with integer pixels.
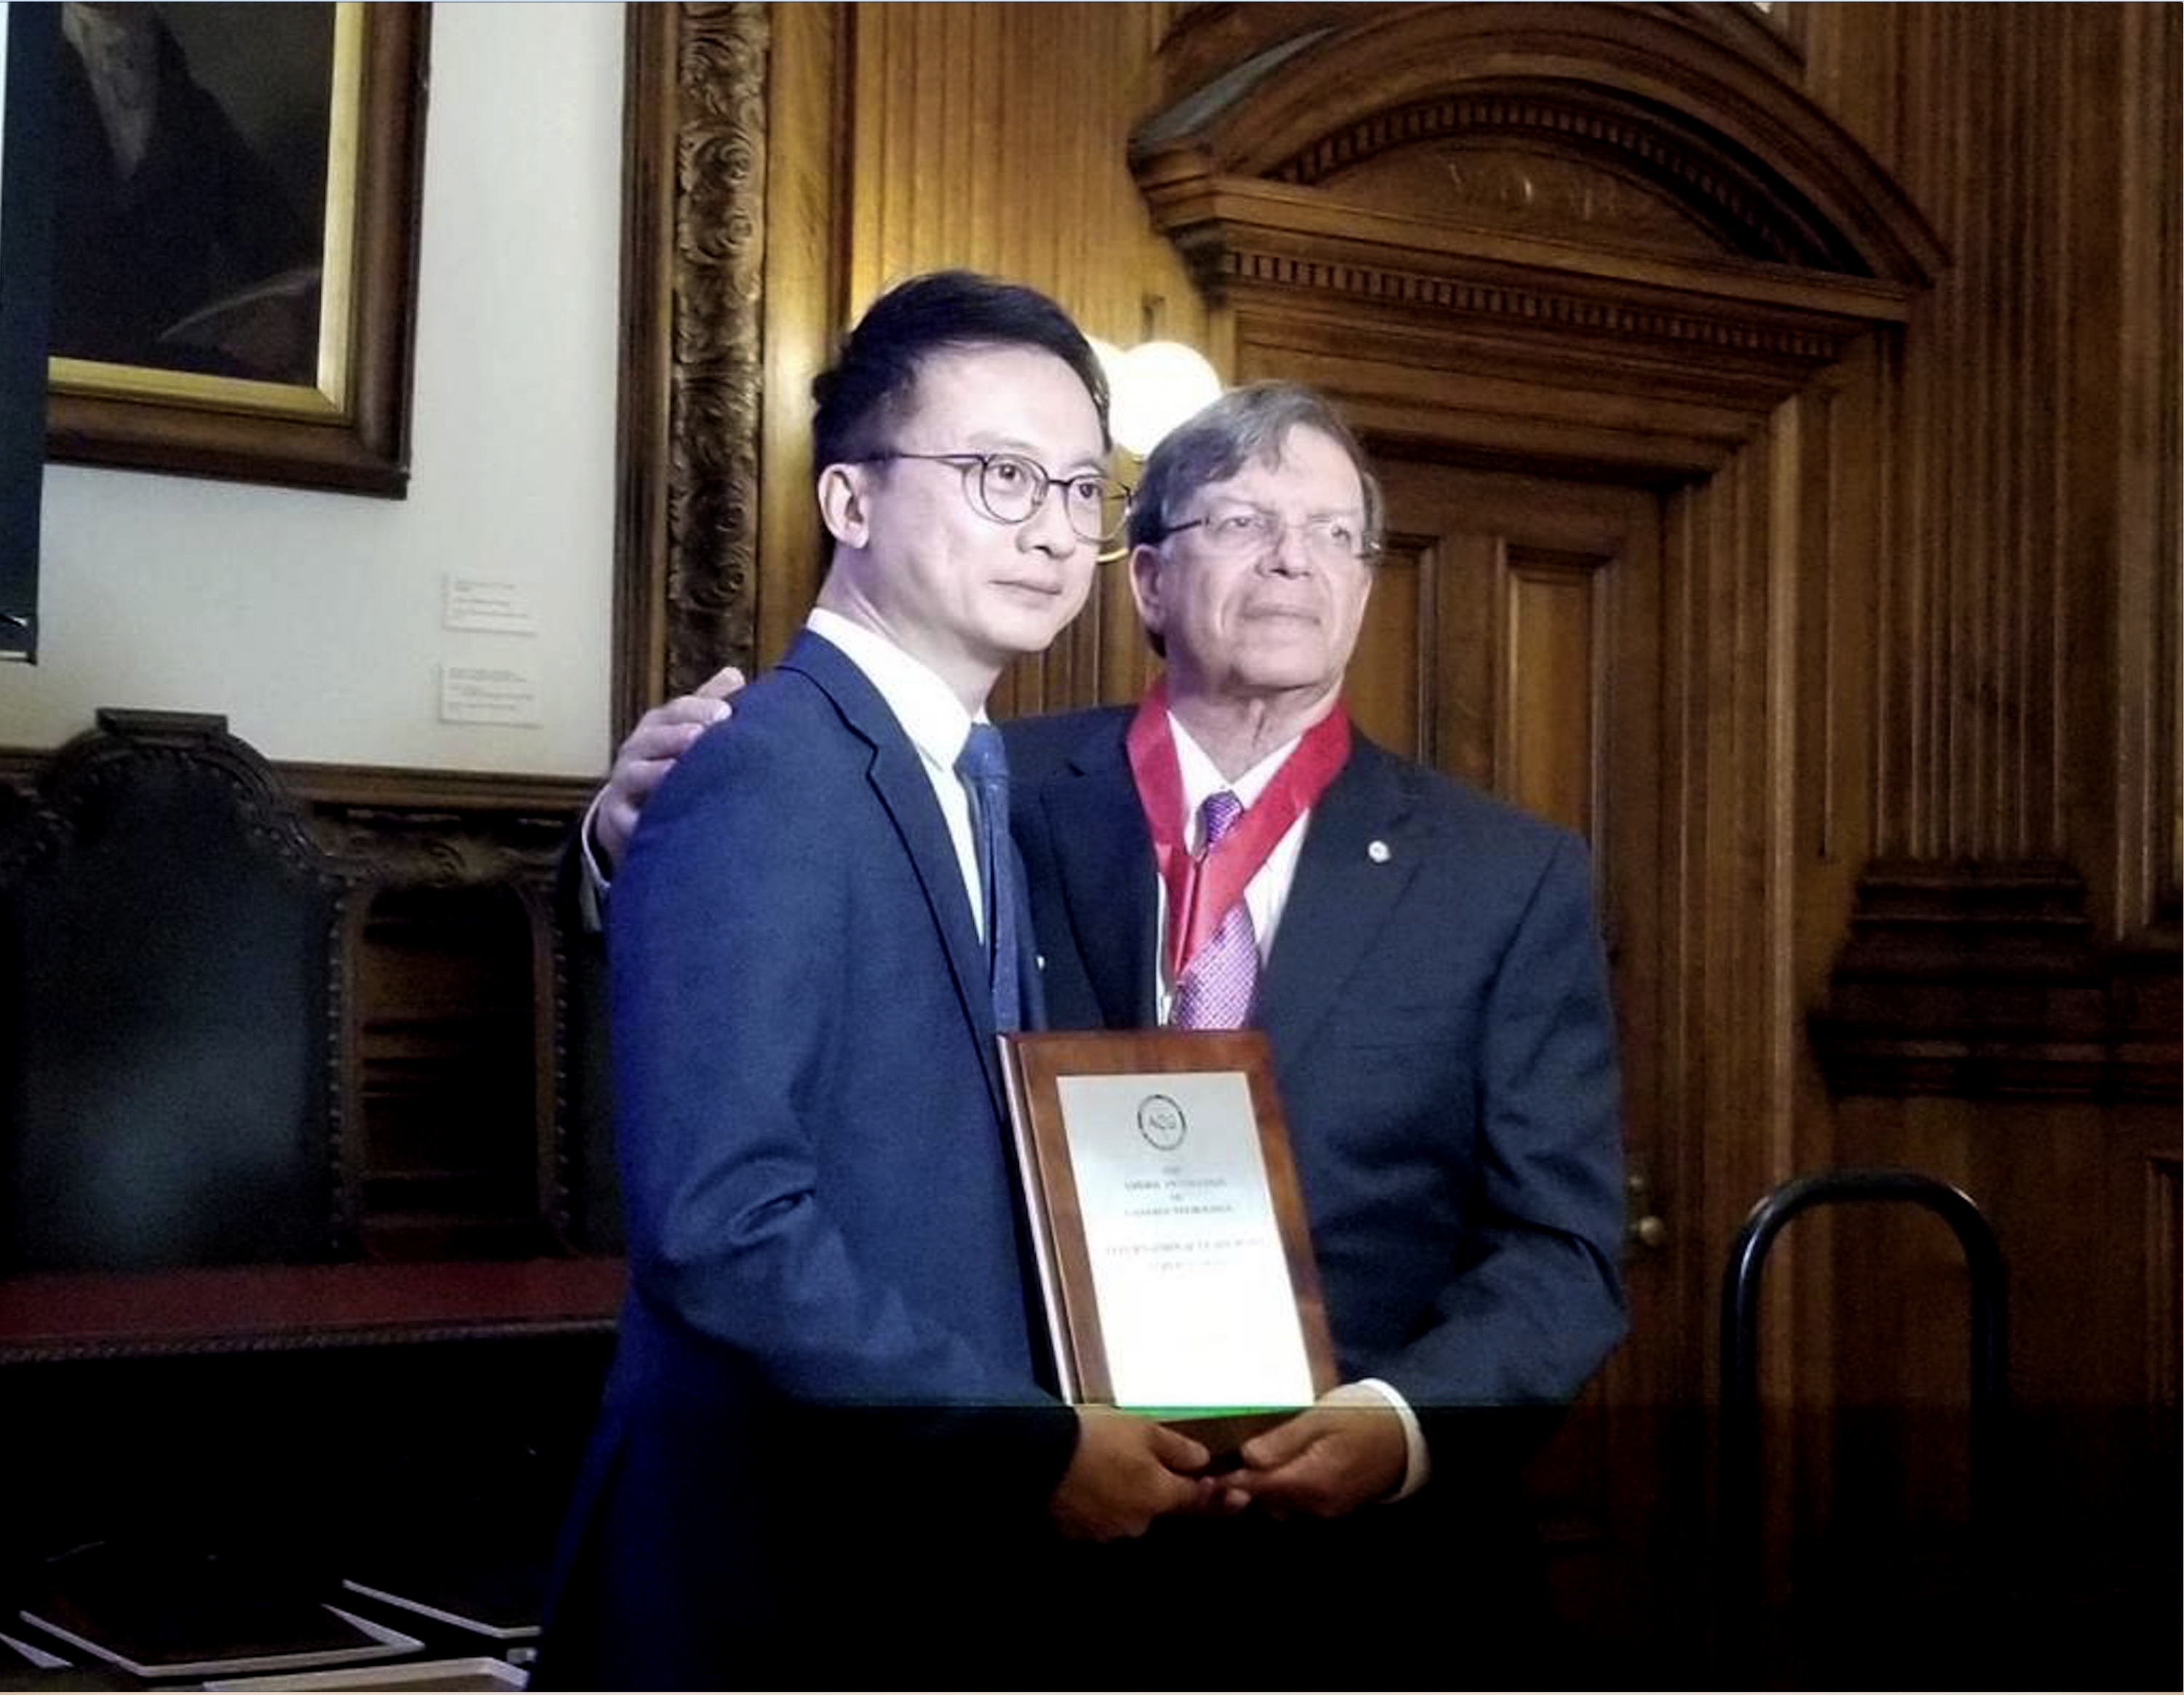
[
  {"x": 258, "y": 1309},
  {"x": 377, "y": 823},
  {"x": 2146, "y": 998},
  {"x": 482, "y": 792},
  {"x": 1587, "y": 142},
  {"x": 1703, "y": 120},
  {"x": 1247, "y": 239},
  {"x": 2164, "y": 1283},
  {"x": 387, "y": 825},
  {"x": 694, "y": 249},
  {"x": 1733, "y": 95},
  {"x": 1575, "y": 209},
  {"x": 123, "y": 741},
  {"x": 1980, "y": 981},
  {"x": 1209, "y": 39}
]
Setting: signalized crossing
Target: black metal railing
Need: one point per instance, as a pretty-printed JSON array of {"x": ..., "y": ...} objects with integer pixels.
[{"x": 1743, "y": 1520}]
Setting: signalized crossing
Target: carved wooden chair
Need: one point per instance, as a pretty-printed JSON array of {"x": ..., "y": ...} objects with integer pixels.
[{"x": 170, "y": 1010}]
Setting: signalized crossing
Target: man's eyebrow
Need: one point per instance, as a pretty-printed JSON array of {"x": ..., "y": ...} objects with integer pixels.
[
  {"x": 1024, "y": 449},
  {"x": 1317, "y": 515}
]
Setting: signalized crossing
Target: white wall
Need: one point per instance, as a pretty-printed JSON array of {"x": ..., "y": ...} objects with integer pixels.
[{"x": 313, "y": 621}]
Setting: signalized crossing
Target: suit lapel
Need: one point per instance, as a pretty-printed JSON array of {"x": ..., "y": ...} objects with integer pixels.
[
  {"x": 1361, "y": 851},
  {"x": 1106, "y": 858},
  {"x": 897, "y": 777}
]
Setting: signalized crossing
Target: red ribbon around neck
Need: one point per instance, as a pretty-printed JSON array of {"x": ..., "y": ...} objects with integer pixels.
[{"x": 1200, "y": 891}]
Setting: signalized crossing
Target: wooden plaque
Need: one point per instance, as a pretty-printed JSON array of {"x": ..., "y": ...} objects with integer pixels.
[{"x": 1175, "y": 1262}]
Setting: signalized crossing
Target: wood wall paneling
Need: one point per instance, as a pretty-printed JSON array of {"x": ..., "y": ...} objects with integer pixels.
[
  {"x": 470, "y": 1074},
  {"x": 2031, "y": 712},
  {"x": 990, "y": 137},
  {"x": 1981, "y": 1019},
  {"x": 2164, "y": 1284},
  {"x": 455, "y": 1138},
  {"x": 808, "y": 123},
  {"x": 1389, "y": 695}
]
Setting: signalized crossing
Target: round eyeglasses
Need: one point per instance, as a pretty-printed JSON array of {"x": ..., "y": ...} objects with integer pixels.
[
  {"x": 1248, "y": 530},
  {"x": 1009, "y": 488}
]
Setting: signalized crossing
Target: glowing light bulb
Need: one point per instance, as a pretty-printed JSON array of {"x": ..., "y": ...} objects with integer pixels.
[{"x": 1157, "y": 386}]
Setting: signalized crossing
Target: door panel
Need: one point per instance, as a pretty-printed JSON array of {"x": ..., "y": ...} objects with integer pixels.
[
  {"x": 1514, "y": 640},
  {"x": 1548, "y": 753}
]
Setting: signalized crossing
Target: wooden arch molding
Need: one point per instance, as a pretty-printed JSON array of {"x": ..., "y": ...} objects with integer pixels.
[{"x": 1622, "y": 197}]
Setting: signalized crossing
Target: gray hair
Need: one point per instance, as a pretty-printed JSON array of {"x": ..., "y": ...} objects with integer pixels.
[{"x": 1249, "y": 423}]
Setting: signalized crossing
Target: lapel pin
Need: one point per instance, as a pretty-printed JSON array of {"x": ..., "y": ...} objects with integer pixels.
[
  {"x": 1039, "y": 960},
  {"x": 1377, "y": 851}
]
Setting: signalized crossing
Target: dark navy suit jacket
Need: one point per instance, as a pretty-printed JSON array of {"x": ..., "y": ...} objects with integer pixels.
[
  {"x": 824, "y": 1411},
  {"x": 1436, "y": 1003}
]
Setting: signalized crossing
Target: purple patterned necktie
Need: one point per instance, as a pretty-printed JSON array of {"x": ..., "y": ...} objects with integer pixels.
[{"x": 1223, "y": 977}]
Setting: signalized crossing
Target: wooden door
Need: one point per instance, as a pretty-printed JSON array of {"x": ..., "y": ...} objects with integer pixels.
[{"x": 1513, "y": 639}]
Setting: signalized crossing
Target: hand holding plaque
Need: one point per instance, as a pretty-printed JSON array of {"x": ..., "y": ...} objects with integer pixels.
[{"x": 1175, "y": 1264}]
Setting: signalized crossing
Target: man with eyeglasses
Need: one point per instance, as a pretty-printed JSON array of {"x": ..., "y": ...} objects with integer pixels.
[
  {"x": 1426, "y": 965},
  {"x": 824, "y": 1433}
]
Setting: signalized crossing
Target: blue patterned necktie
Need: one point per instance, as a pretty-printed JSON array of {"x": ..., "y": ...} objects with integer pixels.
[
  {"x": 1222, "y": 978},
  {"x": 983, "y": 766}
]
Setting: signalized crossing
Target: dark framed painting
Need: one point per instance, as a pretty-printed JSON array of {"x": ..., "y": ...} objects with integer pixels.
[{"x": 234, "y": 239}]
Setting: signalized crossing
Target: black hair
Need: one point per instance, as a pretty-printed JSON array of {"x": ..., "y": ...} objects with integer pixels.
[{"x": 876, "y": 369}]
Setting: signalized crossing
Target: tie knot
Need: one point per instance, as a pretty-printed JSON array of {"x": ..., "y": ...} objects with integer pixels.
[
  {"x": 984, "y": 760},
  {"x": 1217, "y": 812}
]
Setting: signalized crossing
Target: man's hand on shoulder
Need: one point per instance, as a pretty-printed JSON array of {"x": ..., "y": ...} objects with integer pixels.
[
  {"x": 1127, "y": 1472},
  {"x": 1344, "y": 1452},
  {"x": 647, "y": 755}
]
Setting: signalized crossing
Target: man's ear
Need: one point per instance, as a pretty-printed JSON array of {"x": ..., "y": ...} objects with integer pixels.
[
  {"x": 1147, "y": 588},
  {"x": 842, "y": 506}
]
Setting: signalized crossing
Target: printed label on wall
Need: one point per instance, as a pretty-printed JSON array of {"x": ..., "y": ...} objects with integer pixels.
[
  {"x": 487, "y": 695},
  {"x": 478, "y": 603}
]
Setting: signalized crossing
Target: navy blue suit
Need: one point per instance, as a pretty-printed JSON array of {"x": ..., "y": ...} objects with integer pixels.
[
  {"x": 824, "y": 1430},
  {"x": 1438, "y": 1012}
]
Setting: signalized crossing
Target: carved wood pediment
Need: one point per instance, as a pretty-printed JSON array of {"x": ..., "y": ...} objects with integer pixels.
[
  {"x": 1578, "y": 162},
  {"x": 1528, "y": 192},
  {"x": 1613, "y": 187}
]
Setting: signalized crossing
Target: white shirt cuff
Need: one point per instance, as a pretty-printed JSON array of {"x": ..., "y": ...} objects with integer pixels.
[
  {"x": 591, "y": 887},
  {"x": 1417, "y": 1468}
]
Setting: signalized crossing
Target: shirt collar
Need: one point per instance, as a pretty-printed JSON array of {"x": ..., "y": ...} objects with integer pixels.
[
  {"x": 1202, "y": 778},
  {"x": 927, "y": 709}
]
